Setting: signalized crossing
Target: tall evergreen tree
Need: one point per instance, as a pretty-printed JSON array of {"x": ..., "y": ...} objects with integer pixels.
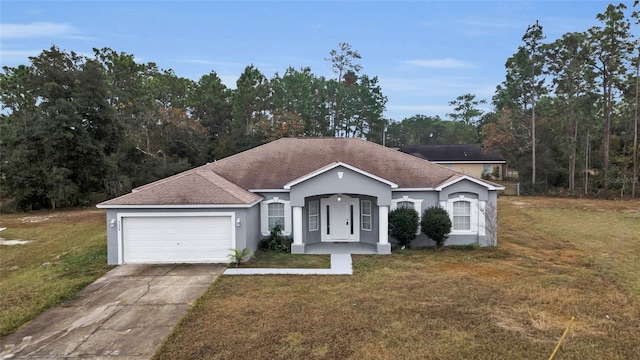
[{"x": 609, "y": 47}]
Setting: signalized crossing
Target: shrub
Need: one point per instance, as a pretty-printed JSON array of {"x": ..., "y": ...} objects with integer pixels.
[
  {"x": 239, "y": 256},
  {"x": 275, "y": 242},
  {"x": 403, "y": 225},
  {"x": 436, "y": 224}
]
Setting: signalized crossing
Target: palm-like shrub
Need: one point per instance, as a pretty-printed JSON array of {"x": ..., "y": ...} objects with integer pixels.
[
  {"x": 436, "y": 224},
  {"x": 403, "y": 225},
  {"x": 237, "y": 256}
]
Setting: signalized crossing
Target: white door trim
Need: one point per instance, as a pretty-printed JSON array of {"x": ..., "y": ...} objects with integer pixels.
[{"x": 351, "y": 221}]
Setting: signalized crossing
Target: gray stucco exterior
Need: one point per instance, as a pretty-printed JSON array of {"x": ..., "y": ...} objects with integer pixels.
[
  {"x": 340, "y": 180},
  {"x": 323, "y": 186}
]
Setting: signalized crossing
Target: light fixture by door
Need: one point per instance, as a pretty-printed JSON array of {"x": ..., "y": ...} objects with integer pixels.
[{"x": 339, "y": 197}]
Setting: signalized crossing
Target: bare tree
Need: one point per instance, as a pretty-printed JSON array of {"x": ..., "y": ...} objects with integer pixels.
[{"x": 490, "y": 213}]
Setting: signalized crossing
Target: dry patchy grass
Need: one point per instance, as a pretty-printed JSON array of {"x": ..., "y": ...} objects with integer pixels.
[
  {"x": 67, "y": 252},
  {"x": 507, "y": 303},
  {"x": 269, "y": 259}
]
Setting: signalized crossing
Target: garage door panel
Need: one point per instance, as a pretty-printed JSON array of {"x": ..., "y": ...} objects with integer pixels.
[{"x": 177, "y": 239}]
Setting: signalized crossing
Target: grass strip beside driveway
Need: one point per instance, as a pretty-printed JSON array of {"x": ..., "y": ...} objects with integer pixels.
[{"x": 68, "y": 251}]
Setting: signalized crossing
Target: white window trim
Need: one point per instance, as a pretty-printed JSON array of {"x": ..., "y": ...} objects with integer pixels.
[
  {"x": 463, "y": 215},
  {"x": 417, "y": 203},
  {"x": 317, "y": 215},
  {"x": 264, "y": 216},
  {"x": 474, "y": 208},
  {"x": 362, "y": 215},
  {"x": 417, "y": 206}
]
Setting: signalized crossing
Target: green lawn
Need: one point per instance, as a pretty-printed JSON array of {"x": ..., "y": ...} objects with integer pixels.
[
  {"x": 512, "y": 302},
  {"x": 261, "y": 259},
  {"x": 68, "y": 251}
]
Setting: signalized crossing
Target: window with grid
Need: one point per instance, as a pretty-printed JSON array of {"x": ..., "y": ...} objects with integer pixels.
[
  {"x": 365, "y": 215},
  {"x": 405, "y": 204},
  {"x": 313, "y": 215},
  {"x": 461, "y": 215},
  {"x": 275, "y": 215}
]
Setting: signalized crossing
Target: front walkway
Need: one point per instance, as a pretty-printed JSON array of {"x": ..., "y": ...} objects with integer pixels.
[{"x": 340, "y": 265}]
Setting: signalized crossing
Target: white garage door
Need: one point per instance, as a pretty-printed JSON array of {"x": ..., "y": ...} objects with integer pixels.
[{"x": 176, "y": 239}]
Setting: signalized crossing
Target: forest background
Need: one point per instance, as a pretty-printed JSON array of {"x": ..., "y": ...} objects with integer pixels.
[{"x": 75, "y": 130}]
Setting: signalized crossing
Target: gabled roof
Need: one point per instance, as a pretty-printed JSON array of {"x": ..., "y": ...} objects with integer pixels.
[
  {"x": 456, "y": 179},
  {"x": 277, "y": 164},
  {"x": 451, "y": 153},
  {"x": 333, "y": 166}
]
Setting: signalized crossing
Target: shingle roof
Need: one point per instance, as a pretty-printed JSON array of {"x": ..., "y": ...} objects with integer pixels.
[
  {"x": 197, "y": 186},
  {"x": 443, "y": 153},
  {"x": 272, "y": 165},
  {"x": 277, "y": 163}
]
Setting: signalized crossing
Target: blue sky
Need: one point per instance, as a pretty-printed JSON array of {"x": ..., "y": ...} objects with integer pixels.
[{"x": 425, "y": 53}]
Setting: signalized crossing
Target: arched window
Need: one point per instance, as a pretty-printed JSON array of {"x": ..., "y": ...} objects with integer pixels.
[
  {"x": 407, "y": 202},
  {"x": 275, "y": 211},
  {"x": 464, "y": 212},
  {"x": 461, "y": 215}
]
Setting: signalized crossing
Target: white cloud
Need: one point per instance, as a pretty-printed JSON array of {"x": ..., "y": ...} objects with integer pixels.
[
  {"x": 16, "y": 57},
  {"x": 435, "y": 86},
  {"x": 447, "y": 63},
  {"x": 37, "y": 29},
  {"x": 420, "y": 108},
  {"x": 9, "y": 55}
]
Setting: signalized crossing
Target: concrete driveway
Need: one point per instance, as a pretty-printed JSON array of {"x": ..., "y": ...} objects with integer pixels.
[{"x": 126, "y": 314}]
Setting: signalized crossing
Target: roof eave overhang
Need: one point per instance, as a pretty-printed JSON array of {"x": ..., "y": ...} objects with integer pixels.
[
  {"x": 179, "y": 206},
  {"x": 415, "y": 189},
  {"x": 332, "y": 166}
]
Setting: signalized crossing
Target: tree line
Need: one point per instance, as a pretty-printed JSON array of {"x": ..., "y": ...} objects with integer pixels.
[
  {"x": 76, "y": 129},
  {"x": 566, "y": 115}
]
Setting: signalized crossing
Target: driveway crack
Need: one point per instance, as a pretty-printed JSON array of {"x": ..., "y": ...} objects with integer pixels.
[{"x": 146, "y": 291}]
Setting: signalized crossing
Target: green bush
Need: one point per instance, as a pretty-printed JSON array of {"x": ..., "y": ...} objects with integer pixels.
[
  {"x": 436, "y": 224},
  {"x": 403, "y": 225},
  {"x": 275, "y": 242}
]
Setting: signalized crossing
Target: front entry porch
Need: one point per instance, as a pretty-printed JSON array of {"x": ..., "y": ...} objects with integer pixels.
[
  {"x": 340, "y": 205},
  {"x": 341, "y": 224},
  {"x": 340, "y": 248}
]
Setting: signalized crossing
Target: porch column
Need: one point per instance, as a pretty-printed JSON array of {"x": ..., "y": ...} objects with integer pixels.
[
  {"x": 383, "y": 246},
  {"x": 297, "y": 225},
  {"x": 383, "y": 222}
]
